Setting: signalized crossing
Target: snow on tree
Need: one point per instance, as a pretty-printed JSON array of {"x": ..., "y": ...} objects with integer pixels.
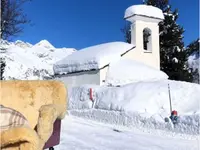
[
  {"x": 173, "y": 57},
  {"x": 193, "y": 59},
  {"x": 193, "y": 47}
]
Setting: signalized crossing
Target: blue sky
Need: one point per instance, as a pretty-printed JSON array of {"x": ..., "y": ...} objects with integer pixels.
[{"x": 82, "y": 23}]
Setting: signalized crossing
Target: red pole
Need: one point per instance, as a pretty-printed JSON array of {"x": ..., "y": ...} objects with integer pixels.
[{"x": 91, "y": 97}]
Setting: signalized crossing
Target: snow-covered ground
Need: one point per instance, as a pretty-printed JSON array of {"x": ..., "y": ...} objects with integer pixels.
[
  {"x": 81, "y": 134},
  {"x": 27, "y": 61}
]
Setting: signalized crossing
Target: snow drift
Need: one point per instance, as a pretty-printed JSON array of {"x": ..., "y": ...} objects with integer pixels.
[
  {"x": 143, "y": 104},
  {"x": 127, "y": 71},
  {"x": 27, "y": 61},
  {"x": 150, "y": 97}
]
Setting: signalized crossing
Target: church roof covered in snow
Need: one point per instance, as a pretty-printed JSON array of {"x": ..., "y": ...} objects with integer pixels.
[
  {"x": 92, "y": 58},
  {"x": 144, "y": 10}
]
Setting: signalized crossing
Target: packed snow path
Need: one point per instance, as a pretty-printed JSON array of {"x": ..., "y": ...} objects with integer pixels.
[{"x": 81, "y": 134}]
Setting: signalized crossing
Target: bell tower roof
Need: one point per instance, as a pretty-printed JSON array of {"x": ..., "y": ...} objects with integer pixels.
[{"x": 144, "y": 11}]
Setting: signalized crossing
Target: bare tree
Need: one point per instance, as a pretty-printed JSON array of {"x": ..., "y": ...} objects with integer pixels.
[
  {"x": 12, "y": 18},
  {"x": 2, "y": 67}
]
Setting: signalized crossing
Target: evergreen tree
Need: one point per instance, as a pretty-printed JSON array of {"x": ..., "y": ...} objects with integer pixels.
[
  {"x": 193, "y": 47},
  {"x": 162, "y": 4},
  {"x": 2, "y": 67},
  {"x": 173, "y": 57}
]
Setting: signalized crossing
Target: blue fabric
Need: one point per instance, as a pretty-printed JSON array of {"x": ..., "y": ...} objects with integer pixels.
[{"x": 174, "y": 119}]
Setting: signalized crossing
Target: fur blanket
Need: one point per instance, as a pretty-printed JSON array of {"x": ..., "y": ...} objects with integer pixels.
[
  {"x": 40, "y": 102},
  {"x": 15, "y": 131},
  {"x": 27, "y": 97}
]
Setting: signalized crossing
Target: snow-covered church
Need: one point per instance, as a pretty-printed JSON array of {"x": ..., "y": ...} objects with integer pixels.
[{"x": 109, "y": 63}]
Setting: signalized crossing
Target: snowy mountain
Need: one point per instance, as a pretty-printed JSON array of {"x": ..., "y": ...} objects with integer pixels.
[
  {"x": 23, "y": 44},
  {"x": 27, "y": 61},
  {"x": 46, "y": 44}
]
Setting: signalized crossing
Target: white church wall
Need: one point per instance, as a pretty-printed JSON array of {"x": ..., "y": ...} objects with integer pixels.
[
  {"x": 81, "y": 78},
  {"x": 103, "y": 73}
]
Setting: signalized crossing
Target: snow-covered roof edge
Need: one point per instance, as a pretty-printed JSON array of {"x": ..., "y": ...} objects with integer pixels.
[
  {"x": 79, "y": 71},
  {"x": 145, "y": 11}
]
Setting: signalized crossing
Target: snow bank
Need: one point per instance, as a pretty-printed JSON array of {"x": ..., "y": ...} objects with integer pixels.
[
  {"x": 26, "y": 61},
  {"x": 94, "y": 57},
  {"x": 189, "y": 125},
  {"x": 144, "y": 10},
  {"x": 147, "y": 103},
  {"x": 128, "y": 71},
  {"x": 150, "y": 97}
]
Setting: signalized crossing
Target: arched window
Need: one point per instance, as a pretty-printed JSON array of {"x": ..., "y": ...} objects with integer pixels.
[{"x": 147, "y": 39}]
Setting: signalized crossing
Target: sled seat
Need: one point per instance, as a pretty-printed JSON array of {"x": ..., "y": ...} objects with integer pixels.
[{"x": 55, "y": 137}]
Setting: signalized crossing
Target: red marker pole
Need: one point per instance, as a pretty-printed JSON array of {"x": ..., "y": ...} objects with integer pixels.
[{"x": 91, "y": 97}]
